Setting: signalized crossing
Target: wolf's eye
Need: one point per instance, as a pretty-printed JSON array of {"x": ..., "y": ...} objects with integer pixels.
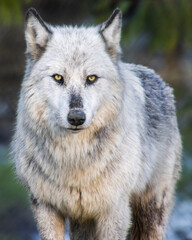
[
  {"x": 58, "y": 78},
  {"x": 91, "y": 79}
]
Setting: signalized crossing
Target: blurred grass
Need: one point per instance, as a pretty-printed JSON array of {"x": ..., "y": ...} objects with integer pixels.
[
  {"x": 184, "y": 188},
  {"x": 16, "y": 222},
  {"x": 12, "y": 237},
  {"x": 184, "y": 184},
  {"x": 11, "y": 191}
]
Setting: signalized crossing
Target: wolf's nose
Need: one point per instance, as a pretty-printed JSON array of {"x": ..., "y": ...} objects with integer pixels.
[{"x": 76, "y": 117}]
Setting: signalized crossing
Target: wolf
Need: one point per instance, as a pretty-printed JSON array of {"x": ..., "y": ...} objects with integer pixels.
[{"x": 96, "y": 140}]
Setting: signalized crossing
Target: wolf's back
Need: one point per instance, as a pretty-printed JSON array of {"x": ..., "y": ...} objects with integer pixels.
[{"x": 159, "y": 101}]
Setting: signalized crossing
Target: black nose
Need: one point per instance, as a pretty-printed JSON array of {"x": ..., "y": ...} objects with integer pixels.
[{"x": 76, "y": 117}]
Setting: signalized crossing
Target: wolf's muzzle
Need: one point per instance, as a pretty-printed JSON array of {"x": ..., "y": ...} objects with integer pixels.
[{"x": 76, "y": 117}]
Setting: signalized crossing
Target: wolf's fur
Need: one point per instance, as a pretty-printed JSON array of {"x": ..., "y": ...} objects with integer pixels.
[{"x": 115, "y": 178}]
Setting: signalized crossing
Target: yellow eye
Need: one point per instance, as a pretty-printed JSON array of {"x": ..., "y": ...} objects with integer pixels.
[
  {"x": 91, "y": 79},
  {"x": 57, "y": 77}
]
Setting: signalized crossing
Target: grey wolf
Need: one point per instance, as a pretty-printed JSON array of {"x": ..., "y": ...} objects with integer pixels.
[{"x": 96, "y": 139}]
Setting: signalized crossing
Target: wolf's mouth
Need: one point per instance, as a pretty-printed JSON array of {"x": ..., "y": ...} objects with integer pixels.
[{"x": 75, "y": 130}]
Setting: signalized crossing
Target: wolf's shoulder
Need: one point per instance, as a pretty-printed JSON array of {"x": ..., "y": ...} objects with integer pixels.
[
  {"x": 156, "y": 90},
  {"x": 149, "y": 79},
  {"x": 159, "y": 104}
]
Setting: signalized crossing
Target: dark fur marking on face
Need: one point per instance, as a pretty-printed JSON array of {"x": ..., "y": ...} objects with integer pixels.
[{"x": 76, "y": 101}]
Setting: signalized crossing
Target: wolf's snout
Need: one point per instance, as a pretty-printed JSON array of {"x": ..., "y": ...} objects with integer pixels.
[{"x": 76, "y": 117}]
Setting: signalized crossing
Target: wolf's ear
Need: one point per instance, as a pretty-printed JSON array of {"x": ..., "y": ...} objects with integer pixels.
[
  {"x": 37, "y": 34},
  {"x": 111, "y": 33}
]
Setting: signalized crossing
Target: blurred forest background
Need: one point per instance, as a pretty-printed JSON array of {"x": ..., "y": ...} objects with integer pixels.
[{"x": 156, "y": 33}]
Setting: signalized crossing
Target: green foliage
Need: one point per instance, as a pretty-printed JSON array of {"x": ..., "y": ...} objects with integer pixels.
[
  {"x": 11, "y": 191},
  {"x": 11, "y": 11},
  {"x": 168, "y": 23},
  {"x": 185, "y": 114}
]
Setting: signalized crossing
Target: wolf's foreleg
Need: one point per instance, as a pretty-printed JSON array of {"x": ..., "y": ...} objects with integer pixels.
[
  {"x": 50, "y": 223},
  {"x": 150, "y": 213},
  {"x": 115, "y": 224},
  {"x": 110, "y": 225},
  {"x": 82, "y": 231}
]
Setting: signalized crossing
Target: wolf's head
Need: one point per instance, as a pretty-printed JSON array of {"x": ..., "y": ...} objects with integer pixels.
[{"x": 72, "y": 78}]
